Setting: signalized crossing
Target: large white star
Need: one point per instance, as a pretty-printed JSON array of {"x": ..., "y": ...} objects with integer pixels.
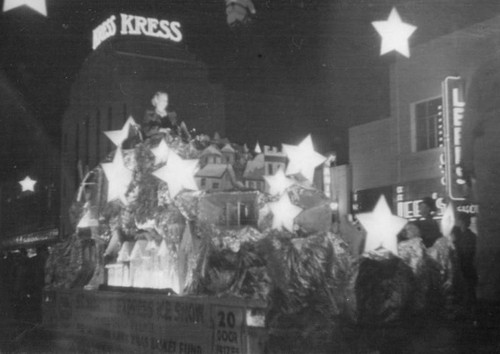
[
  {"x": 178, "y": 174},
  {"x": 284, "y": 213},
  {"x": 27, "y": 184},
  {"x": 161, "y": 152},
  {"x": 37, "y": 5},
  {"x": 394, "y": 33},
  {"x": 303, "y": 158},
  {"x": 119, "y": 136},
  {"x": 381, "y": 227},
  {"x": 278, "y": 183},
  {"x": 119, "y": 177}
]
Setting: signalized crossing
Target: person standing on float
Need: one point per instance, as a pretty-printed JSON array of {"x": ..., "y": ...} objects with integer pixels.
[
  {"x": 481, "y": 168},
  {"x": 160, "y": 120}
]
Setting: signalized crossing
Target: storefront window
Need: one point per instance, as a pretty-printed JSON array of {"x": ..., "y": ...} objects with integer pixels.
[{"x": 428, "y": 122}]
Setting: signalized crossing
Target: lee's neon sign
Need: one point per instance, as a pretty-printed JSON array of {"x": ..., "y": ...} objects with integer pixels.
[
  {"x": 136, "y": 26},
  {"x": 454, "y": 106}
]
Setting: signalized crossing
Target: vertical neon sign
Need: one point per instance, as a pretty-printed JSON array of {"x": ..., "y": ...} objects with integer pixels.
[{"x": 453, "y": 108}]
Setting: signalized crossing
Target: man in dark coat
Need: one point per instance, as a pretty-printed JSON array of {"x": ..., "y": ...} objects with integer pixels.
[
  {"x": 465, "y": 245},
  {"x": 481, "y": 167},
  {"x": 428, "y": 226},
  {"x": 159, "y": 120}
]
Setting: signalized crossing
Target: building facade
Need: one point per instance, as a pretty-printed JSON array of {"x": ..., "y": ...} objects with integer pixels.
[{"x": 415, "y": 152}]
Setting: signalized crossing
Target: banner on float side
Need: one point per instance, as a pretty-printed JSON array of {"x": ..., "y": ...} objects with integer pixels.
[{"x": 152, "y": 323}]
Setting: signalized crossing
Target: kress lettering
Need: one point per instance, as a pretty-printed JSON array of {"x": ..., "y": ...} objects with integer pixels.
[{"x": 137, "y": 25}]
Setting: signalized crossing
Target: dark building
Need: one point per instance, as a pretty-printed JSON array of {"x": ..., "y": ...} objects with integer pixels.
[{"x": 28, "y": 217}]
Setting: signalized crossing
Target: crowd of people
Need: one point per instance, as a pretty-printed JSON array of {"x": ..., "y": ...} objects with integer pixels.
[{"x": 459, "y": 253}]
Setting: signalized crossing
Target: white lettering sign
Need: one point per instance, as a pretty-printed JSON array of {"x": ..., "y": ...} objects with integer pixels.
[{"x": 131, "y": 25}]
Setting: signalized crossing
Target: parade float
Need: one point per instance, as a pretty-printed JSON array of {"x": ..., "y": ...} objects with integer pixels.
[
  {"x": 202, "y": 246},
  {"x": 182, "y": 245}
]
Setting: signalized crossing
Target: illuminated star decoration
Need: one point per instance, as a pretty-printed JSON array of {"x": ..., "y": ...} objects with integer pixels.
[
  {"x": 178, "y": 174},
  {"x": 381, "y": 227},
  {"x": 119, "y": 136},
  {"x": 27, "y": 184},
  {"x": 278, "y": 183},
  {"x": 303, "y": 158},
  {"x": 119, "y": 177},
  {"x": 448, "y": 220},
  {"x": 394, "y": 33},
  {"x": 37, "y": 5},
  {"x": 161, "y": 152},
  {"x": 284, "y": 213}
]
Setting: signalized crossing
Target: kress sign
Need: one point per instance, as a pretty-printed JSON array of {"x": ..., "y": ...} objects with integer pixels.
[{"x": 131, "y": 25}]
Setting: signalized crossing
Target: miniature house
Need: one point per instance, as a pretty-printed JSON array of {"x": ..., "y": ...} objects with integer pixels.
[
  {"x": 273, "y": 160},
  {"x": 215, "y": 177},
  {"x": 253, "y": 177},
  {"x": 211, "y": 155}
]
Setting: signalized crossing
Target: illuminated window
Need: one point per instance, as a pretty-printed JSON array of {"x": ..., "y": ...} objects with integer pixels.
[{"x": 428, "y": 123}]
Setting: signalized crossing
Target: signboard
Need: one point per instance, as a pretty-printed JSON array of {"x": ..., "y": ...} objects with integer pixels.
[
  {"x": 228, "y": 330},
  {"x": 408, "y": 195},
  {"x": 31, "y": 239},
  {"x": 148, "y": 323},
  {"x": 453, "y": 109},
  {"x": 133, "y": 25}
]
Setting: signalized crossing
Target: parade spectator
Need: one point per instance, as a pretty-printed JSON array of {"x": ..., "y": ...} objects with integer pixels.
[
  {"x": 481, "y": 168},
  {"x": 159, "y": 120},
  {"x": 21, "y": 282},
  {"x": 465, "y": 245},
  {"x": 428, "y": 226}
]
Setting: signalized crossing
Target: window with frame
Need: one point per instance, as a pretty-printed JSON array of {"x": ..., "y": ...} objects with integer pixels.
[{"x": 428, "y": 124}]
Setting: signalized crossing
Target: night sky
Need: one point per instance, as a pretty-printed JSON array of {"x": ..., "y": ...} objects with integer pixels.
[{"x": 301, "y": 66}]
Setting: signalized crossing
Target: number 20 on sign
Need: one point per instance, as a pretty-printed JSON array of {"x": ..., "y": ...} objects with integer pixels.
[{"x": 228, "y": 330}]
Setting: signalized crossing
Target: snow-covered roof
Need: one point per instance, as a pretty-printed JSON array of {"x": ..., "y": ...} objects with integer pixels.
[
  {"x": 212, "y": 170},
  {"x": 228, "y": 148},
  {"x": 211, "y": 150}
]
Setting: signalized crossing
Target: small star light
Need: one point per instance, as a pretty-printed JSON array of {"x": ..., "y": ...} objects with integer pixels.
[
  {"x": 119, "y": 136},
  {"x": 284, "y": 213},
  {"x": 37, "y": 5},
  {"x": 381, "y": 227},
  {"x": 278, "y": 183},
  {"x": 119, "y": 177},
  {"x": 178, "y": 174},
  {"x": 303, "y": 158},
  {"x": 161, "y": 152},
  {"x": 394, "y": 33},
  {"x": 27, "y": 184}
]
